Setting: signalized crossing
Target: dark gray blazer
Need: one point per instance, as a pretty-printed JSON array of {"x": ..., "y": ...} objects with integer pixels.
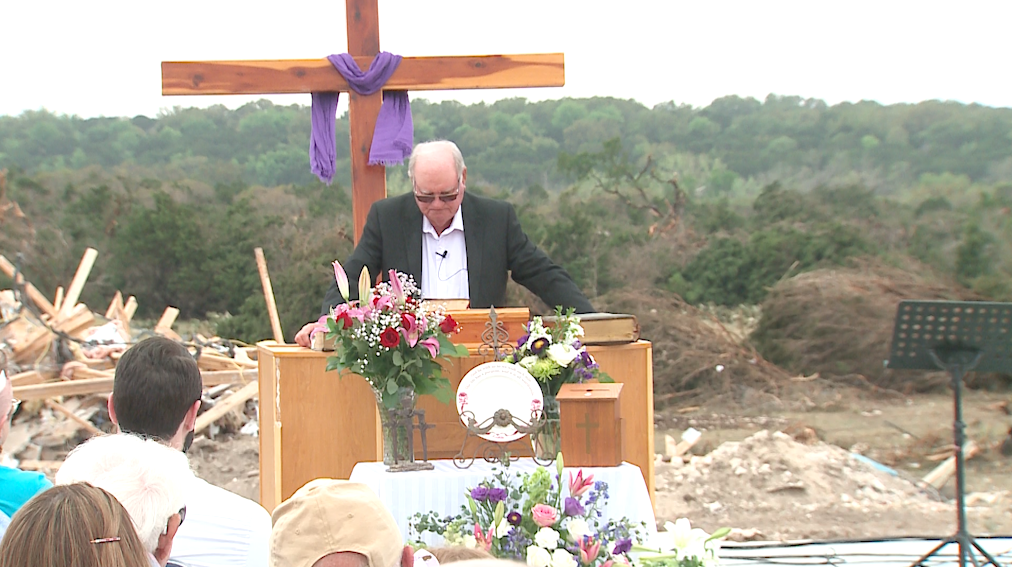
[{"x": 496, "y": 245}]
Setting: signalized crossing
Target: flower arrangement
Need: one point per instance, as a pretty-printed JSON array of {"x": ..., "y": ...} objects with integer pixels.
[
  {"x": 391, "y": 338},
  {"x": 554, "y": 355},
  {"x": 528, "y": 517},
  {"x": 681, "y": 545}
]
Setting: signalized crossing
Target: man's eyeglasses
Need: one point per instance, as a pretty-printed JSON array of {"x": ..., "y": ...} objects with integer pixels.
[
  {"x": 430, "y": 197},
  {"x": 182, "y": 515}
]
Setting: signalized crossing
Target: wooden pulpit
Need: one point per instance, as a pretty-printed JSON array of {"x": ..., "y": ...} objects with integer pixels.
[
  {"x": 315, "y": 423},
  {"x": 591, "y": 422}
]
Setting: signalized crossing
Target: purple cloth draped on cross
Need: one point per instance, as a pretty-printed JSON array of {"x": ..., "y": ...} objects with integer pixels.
[{"x": 394, "y": 134}]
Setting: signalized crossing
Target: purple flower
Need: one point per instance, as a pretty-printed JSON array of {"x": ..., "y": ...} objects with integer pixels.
[
  {"x": 573, "y": 507},
  {"x": 578, "y": 345},
  {"x": 539, "y": 345},
  {"x": 479, "y": 494},
  {"x": 623, "y": 545},
  {"x": 522, "y": 340},
  {"x": 514, "y": 518},
  {"x": 496, "y": 495},
  {"x": 582, "y": 375}
]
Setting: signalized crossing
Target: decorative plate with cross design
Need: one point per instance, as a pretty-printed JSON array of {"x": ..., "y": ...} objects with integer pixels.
[{"x": 493, "y": 386}]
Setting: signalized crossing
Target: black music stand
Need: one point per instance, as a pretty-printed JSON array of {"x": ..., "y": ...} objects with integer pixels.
[{"x": 957, "y": 336}]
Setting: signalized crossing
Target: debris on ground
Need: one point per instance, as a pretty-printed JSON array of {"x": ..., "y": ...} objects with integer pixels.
[{"x": 61, "y": 358}]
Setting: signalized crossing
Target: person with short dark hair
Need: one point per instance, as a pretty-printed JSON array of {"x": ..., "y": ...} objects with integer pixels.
[
  {"x": 75, "y": 524},
  {"x": 16, "y": 486},
  {"x": 156, "y": 393}
]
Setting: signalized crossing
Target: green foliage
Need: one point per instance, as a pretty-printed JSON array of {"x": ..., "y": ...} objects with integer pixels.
[{"x": 973, "y": 257}]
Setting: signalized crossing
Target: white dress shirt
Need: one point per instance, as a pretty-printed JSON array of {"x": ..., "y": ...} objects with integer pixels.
[
  {"x": 444, "y": 261},
  {"x": 222, "y": 529}
]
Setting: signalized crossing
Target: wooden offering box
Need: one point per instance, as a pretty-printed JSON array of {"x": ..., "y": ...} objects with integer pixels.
[{"x": 591, "y": 423}]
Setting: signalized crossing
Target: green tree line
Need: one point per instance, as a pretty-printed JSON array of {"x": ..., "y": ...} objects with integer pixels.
[{"x": 716, "y": 204}]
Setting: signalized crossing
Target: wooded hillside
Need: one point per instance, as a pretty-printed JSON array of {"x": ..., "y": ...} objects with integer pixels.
[{"x": 715, "y": 204}]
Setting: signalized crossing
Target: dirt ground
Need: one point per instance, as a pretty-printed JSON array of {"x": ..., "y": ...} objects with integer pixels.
[{"x": 800, "y": 484}]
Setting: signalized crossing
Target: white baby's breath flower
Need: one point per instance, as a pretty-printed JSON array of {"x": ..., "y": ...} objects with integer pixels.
[
  {"x": 538, "y": 557},
  {"x": 547, "y": 538}
]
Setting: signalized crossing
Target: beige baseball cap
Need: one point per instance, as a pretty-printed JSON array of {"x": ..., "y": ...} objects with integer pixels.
[{"x": 327, "y": 516}]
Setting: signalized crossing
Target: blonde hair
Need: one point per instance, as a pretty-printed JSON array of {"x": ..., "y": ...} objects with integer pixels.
[
  {"x": 75, "y": 524},
  {"x": 454, "y": 553}
]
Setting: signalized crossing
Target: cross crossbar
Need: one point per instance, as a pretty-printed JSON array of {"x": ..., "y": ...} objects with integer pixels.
[{"x": 318, "y": 75}]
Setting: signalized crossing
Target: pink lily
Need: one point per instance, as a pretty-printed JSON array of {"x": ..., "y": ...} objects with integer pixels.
[
  {"x": 589, "y": 550},
  {"x": 321, "y": 326},
  {"x": 432, "y": 344},
  {"x": 383, "y": 302},
  {"x": 579, "y": 486},
  {"x": 484, "y": 540},
  {"x": 409, "y": 329},
  {"x": 395, "y": 285},
  {"x": 342, "y": 280}
]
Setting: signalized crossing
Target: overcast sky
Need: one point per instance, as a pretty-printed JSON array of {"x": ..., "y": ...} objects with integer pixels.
[{"x": 102, "y": 58}]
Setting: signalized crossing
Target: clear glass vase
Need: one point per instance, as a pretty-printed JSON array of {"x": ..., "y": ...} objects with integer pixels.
[
  {"x": 398, "y": 427},
  {"x": 548, "y": 441}
]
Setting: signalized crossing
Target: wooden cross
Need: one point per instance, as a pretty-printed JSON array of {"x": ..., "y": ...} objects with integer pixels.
[
  {"x": 318, "y": 75},
  {"x": 588, "y": 425}
]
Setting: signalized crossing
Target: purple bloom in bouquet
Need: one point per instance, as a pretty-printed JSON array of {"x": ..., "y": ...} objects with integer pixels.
[
  {"x": 522, "y": 340},
  {"x": 479, "y": 494},
  {"x": 582, "y": 375},
  {"x": 514, "y": 518},
  {"x": 623, "y": 545},
  {"x": 496, "y": 495},
  {"x": 539, "y": 345},
  {"x": 573, "y": 507}
]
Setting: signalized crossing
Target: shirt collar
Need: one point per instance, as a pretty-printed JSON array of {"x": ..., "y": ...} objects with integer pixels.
[{"x": 456, "y": 224}]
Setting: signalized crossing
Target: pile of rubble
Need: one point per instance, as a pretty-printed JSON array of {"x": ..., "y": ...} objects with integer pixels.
[{"x": 61, "y": 358}]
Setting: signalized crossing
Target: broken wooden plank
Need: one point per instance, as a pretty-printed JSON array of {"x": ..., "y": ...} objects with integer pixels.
[
  {"x": 130, "y": 307},
  {"x": 222, "y": 408},
  {"x": 33, "y": 292},
  {"x": 103, "y": 385},
  {"x": 87, "y": 425},
  {"x": 116, "y": 303},
  {"x": 272, "y": 306},
  {"x": 27, "y": 378},
  {"x": 164, "y": 325},
  {"x": 58, "y": 298},
  {"x": 77, "y": 284},
  {"x": 943, "y": 472}
]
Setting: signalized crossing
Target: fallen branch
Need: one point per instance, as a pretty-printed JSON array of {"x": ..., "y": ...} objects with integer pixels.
[{"x": 224, "y": 406}]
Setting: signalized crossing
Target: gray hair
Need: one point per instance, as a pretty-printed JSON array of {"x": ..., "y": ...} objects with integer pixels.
[
  {"x": 435, "y": 147},
  {"x": 149, "y": 479}
]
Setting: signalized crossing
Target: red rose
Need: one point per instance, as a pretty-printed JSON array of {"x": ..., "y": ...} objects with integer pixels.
[
  {"x": 390, "y": 338},
  {"x": 344, "y": 321},
  {"x": 448, "y": 325}
]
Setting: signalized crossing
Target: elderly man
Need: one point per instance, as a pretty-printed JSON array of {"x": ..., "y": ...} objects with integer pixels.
[
  {"x": 16, "y": 486},
  {"x": 156, "y": 394},
  {"x": 336, "y": 523},
  {"x": 456, "y": 245},
  {"x": 148, "y": 478}
]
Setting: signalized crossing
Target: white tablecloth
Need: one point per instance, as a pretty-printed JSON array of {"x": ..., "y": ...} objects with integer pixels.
[{"x": 442, "y": 490}]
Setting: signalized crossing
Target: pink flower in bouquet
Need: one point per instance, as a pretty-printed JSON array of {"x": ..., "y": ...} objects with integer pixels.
[
  {"x": 409, "y": 326},
  {"x": 382, "y": 302},
  {"x": 579, "y": 486},
  {"x": 395, "y": 285},
  {"x": 589, "y": 550},
  {"x": 342, "y": 279},
  {"x": 544, "y": 515},
  {"x": 484, "y": 539},
  {"x": 390, "y": 338},
  {"x": 432, "y": 344},
  {"x": 321, "y": 326}
]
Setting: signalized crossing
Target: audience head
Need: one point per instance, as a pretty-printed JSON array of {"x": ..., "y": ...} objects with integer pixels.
[
  {"x": 458, "y": 553},
  {"x": 76, "y": 524},
  {"x": 438, "y": 179},
  {"x": 6, "y": 405},
  {"x": 336, "y": 523},
  {"x": 156, "y": 391},
  {"x": 148, "y": 478}
]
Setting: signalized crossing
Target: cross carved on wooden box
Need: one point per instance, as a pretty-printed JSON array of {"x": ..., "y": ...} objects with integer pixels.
[{"x": 591, "y": 424}]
